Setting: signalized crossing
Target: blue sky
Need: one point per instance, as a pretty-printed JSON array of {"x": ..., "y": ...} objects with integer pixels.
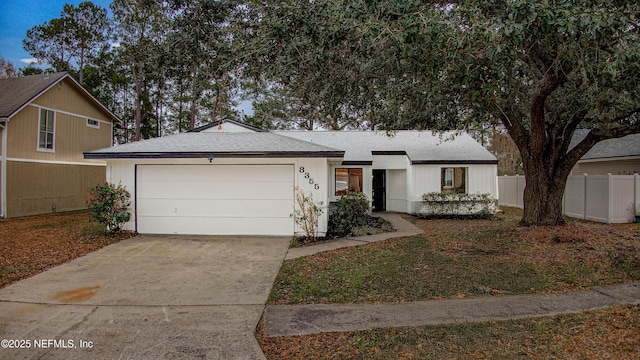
[{"x": 18, "y": 16}]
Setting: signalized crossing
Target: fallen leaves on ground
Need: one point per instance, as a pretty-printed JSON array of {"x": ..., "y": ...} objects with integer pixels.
[
  {"x": 458, "y": 259},
  {"x": 612, "y": 333},
  {"x": 30, "y": 245}
]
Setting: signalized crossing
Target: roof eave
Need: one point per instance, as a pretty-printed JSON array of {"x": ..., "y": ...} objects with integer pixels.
[
  {"x": 206, "y": 155},
  {"x": 357, "y": 162},
  {"x": 91, "y": 97},
  {"x": 454, "y": 162},
  {"x": 76, "y": 84},
  {"x": 609, "y": 158},
  {"x": 34, "y": 97}
]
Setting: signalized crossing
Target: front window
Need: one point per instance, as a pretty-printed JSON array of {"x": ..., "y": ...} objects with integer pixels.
[
  {"x": 348, "y": 180},
  {"x": 45, "y": 133},
  {"x": 454, "y": 180}
]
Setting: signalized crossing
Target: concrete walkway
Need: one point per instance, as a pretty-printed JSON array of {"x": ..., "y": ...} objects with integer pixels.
[
  {"x": 285, "y": 320},
  {"x": 403, "y": 228}
]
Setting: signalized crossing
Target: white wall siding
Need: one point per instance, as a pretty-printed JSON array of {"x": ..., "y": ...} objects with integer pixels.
[
  {"x": 426, "y": 179},
  {"x": 311, "y": 176},
  {"x": 423, "y": 179},
  {"x": 482, "y": 180},
  {"x": 396, "y": 182},
  {"x": 389, "y": 162}
]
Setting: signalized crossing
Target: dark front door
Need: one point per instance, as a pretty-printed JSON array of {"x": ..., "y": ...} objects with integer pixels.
[{"x": 379, "y": 190}]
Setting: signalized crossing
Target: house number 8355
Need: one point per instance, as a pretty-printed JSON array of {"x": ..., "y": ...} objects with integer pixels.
[{"x": 308, "y": 176}]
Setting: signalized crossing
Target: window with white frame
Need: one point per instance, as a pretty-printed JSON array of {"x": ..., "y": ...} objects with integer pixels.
[
  {"x": 46, "y": 130},
  {"x": 93, "y": 123},
  {"x": 454, "y": 180}
]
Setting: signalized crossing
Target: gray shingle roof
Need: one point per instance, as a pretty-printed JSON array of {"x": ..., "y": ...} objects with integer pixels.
[
  {"x": 610, "y": 148},
  {"x": 194, "y": 145},
  {"x": 420, "y": 146},
  {"x": 15, "y": 93}
]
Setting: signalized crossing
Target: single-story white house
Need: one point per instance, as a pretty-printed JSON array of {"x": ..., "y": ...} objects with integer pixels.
[{"x": 229, "y": 178}]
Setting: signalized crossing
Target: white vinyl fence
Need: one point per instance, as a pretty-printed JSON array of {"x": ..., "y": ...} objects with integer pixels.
[{"x": 603, "y": 198}]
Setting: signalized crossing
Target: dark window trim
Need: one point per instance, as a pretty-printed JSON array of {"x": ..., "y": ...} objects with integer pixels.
[
  {"x": 349, "y": 169},
  {"x": 465, "y": 179}
]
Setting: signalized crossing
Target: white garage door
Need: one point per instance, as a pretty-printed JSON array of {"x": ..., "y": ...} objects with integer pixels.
[{"x": 215, "y": 199}]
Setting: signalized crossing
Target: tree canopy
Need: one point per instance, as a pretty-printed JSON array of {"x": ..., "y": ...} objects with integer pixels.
[
  {"x": 541, "y": 69},
  {"x": 78, "y": 34}
]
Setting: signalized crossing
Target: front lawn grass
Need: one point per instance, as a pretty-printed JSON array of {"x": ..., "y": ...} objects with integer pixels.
[
  {"x": 612, "y": 333},
  {"x": 462, "y": 258},
  {"x": 30, "y": 245},
  {"x": 459, "y": 258}
]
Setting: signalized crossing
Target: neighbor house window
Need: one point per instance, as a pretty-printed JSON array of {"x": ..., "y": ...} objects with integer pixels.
[
  {"x": 93, "y": 123},
  {"x": 46, "y": 129},
  {"x": 348, "y": 180},
  {"x": 454, "y": 180}
]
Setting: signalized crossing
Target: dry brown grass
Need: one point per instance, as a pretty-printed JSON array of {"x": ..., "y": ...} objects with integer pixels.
[
  {"x": 30, "y": 245},
  {"x": 457, "y": 258}
]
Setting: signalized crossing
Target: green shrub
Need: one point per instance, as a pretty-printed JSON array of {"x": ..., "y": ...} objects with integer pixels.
[
  {"x": 108, "y": 204},
  {"x": 351, "y": 211},
  {"x": 448, "y": 205}
]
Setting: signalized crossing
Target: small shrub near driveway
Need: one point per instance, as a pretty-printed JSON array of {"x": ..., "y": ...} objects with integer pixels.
[
  {"x": 307, "y": 214},
  {"x": 109, "y": 205},
  {"x": 348, "y": 213}
]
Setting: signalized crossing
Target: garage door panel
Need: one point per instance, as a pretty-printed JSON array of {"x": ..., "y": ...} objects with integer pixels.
[
  {"x": 215, "y": 199},
  {"x": 218, "y": 226},
  {"x": 220, "y": 208},
  {"x": 213, "y": 191},
  {"x": 216, "y": 173}
]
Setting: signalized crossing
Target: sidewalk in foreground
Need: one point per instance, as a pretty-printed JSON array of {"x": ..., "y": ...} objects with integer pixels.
[
  {"x": 403, "y": 228},
  {"x": 288, "y": 320}
]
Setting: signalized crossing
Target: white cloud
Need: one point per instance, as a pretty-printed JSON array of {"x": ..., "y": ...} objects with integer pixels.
[{"x": 31, "y": 61}]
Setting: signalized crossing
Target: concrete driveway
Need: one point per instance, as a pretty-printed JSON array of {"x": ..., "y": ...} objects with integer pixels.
[{"x": 150, "y": 297}]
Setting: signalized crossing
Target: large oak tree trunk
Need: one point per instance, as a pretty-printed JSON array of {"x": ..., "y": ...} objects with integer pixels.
[
  {"x": 546, "y": 163},
  {"x": 543, "y": 195}
]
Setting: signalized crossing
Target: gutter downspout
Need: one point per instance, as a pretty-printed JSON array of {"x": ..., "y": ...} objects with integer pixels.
[{"x": 3, "y": 169}]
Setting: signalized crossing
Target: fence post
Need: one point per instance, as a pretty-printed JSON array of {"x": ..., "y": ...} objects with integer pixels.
[
  {"x": 519, "y": 197},
  {"x": 636, "y": 190},
  {"x": 584, "y": 200},
  {"x": 610, "y": 200}
]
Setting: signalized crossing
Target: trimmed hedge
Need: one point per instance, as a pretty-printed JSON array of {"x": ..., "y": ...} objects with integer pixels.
[{"x": 449, "y": 205}]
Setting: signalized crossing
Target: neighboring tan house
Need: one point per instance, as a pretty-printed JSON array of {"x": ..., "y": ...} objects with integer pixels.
[
  {"x": 228, "y": 178},
  {"x": 46, "y": 123},
  {"x": 619, "y": 156}
]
